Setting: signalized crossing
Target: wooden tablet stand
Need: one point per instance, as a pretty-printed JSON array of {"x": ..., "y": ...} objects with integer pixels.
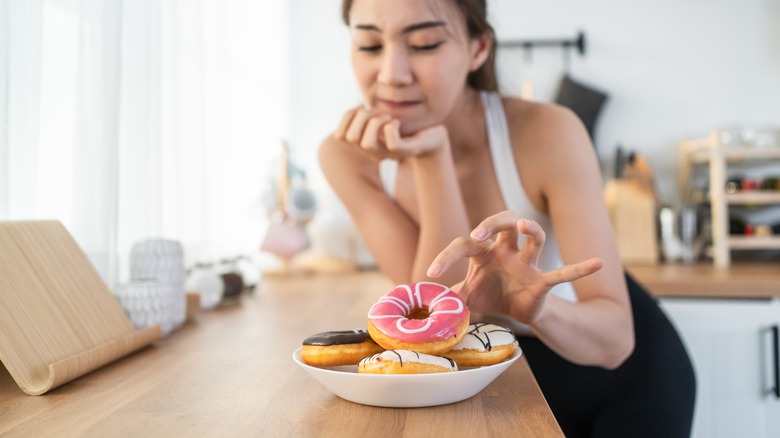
[{"x": 58, "y": 320}]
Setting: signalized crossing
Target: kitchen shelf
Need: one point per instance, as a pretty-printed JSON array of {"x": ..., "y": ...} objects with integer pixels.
[
  {"x": 702, "y": 153},
  {"x": 747, "y": 197},
  {"x": 712, "y": 152},
  {"x": 754, "y": 197},
  {"x": 753, "y": 242}
]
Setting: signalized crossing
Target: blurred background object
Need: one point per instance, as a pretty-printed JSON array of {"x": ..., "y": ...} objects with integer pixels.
[
  {"x": 149, "y": 302},
  {"x": 162, "y": 261},
  {"x": 632, "y": 202},
  {"x": 126, "y": 119},
  {"x": 294, "y": 206},
  {"x": 204, "y": 280}
]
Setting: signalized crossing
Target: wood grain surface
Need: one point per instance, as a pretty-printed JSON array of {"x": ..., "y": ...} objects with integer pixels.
[
  {"x": 230, "y": 373},
  {"x": 759, "y": 280},
  {"x": 58, "y": 320}
]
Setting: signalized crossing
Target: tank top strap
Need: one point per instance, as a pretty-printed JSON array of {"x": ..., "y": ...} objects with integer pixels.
[
  {"x": 501, "y": 152},
  {"x": 511, "y": 186}
]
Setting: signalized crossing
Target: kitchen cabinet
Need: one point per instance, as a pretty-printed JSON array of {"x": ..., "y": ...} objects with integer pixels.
[
  {"x": 718, "y": 158},
  {"x": 735, "y": 354}
]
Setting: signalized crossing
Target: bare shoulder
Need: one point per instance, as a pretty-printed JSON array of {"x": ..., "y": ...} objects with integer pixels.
[
  {"x": 350, "y": 172},
  {"x": 552, "y": 149},
  {"x": 338, "y": 159},
  {"x": 547, "y": 134},
  {"x": 334, "y": 152},
  {"x": 534, "y": 124}
]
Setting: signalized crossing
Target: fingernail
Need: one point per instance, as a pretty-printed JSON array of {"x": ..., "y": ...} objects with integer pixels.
[
  {"x": 434, "y": 270},
  {"x": 479, "y": 234}
]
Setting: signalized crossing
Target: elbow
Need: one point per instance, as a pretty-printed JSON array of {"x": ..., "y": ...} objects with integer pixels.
[
  {"x": 620, "y": 345},
  {"x": 621, "y": 350}
]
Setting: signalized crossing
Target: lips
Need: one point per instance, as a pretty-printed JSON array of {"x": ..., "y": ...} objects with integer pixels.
[{"x": 398, "y": 104}]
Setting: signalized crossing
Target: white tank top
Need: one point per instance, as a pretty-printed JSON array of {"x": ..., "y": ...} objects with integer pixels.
[{"x": 509, "y": 183}]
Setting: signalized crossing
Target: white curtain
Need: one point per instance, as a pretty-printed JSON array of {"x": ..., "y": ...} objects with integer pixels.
[{"x": 137, "y": 119}]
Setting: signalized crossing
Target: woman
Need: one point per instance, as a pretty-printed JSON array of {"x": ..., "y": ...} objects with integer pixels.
[{"x": 433, "y": 150}]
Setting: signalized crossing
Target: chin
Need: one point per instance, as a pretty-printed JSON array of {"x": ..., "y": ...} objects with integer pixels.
[{"x": 412, "y": 127}]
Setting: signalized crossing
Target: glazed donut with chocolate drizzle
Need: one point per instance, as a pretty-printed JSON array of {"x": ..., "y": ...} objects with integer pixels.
[
  {"x": 336, "y": 348},
  {"x": 424, "y": 317},
  {"x": 484, "y": 344},
  {"x": 405, "y": 362}
]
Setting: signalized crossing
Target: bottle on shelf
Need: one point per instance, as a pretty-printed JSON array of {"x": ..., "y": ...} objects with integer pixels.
[{"x": 731, "y": 166}]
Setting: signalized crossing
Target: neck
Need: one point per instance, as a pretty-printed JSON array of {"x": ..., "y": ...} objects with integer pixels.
[{"x": 466, "y": 124}]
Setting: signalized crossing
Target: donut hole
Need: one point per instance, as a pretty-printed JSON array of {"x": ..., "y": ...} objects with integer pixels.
[{"x": 419, "y": 313}]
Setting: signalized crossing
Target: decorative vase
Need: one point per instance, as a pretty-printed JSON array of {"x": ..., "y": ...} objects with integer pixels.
[
  {"x": 162, "y": 261},
  {"x": 147, "y": 303}
]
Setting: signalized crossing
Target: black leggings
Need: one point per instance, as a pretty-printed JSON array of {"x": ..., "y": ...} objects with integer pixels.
[{"x": 650, "y": 395}]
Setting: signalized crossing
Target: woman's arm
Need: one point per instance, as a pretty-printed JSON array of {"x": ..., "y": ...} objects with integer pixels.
[
  {"x": 440, "y": 206},
  {"x": 402, "y": 247},
  {"x": 354, "y": 178},
  {"x": 571, "y": 187},
  {"x": 564, "y": 181},
  {"x": 503, "y": 278}
]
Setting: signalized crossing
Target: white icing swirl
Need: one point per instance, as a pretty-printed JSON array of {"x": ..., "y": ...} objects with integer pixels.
[
  {"x": 408, "y": 356},
  {"x": 416, "y": 301},
  {"x": 483, "y": 337}
]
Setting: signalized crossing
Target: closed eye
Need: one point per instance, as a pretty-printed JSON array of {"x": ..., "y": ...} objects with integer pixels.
[
  {"x": 370, "y": 48},
  {"x": 426, "y": 47}
]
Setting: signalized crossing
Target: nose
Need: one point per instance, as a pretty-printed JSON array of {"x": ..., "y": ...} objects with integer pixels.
[{"x": 395, "y": 69}]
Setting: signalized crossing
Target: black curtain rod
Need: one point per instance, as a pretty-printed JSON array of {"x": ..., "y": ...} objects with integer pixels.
[{"x": 578, "y": 43}]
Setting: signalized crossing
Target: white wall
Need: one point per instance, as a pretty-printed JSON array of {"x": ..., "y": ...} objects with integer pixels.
[
  {"x": 322, "y": 83},
  {"x": 672, "y": 68}
]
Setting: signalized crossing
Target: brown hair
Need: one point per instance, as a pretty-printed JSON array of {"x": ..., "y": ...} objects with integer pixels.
[{"x": 475, "y": 13}]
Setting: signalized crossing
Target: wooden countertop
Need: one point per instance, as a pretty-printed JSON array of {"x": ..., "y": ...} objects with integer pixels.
[
  {"x": 703, "y": 280},
  {"x": 230, "y": 373}
]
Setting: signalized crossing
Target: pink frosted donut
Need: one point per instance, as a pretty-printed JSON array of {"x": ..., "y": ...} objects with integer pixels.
[{"x": 424, "y": 317}]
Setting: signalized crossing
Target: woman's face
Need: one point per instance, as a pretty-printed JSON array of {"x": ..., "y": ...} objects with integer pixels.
[{"x": 411, "y": 58}]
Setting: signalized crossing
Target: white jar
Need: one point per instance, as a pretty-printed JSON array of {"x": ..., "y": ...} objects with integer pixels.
[
  {"x": 207, "y": 283},
  {"x": 147, "y": 303},
  {"x": 162, "y": 261}
]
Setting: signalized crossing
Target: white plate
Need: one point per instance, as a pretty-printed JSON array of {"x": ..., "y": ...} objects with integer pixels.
[{"x": 405, "y": 390}]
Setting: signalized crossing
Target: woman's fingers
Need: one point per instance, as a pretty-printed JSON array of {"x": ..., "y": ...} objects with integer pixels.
[
  {"x": 370, "y": 140},
  {"x": 500, "y": 224},
  {"x": 419, "y": 143},
  {"x": 358, "y": 124},
  {"x": 534, "y": 241},
  {"x": 506, "y": 226},
  {"x": 363, "y": 128},
  {"x": 341, "y": 131},
  {"x": 573, "y": 272},
  {"x": 392, "y": 132},
  {"x": 457, "y": 250}
]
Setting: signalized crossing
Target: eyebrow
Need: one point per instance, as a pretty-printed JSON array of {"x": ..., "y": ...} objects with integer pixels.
[{"x": 407, "y": 29}]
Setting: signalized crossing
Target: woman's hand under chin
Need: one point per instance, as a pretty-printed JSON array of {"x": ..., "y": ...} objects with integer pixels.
[
  {"x": 379, "y": 135},
  {"x": 424, "y": 142}
]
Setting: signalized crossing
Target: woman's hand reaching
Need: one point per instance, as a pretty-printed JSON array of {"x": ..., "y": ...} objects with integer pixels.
[
  {"x": 379, "y": 135},
  {"x": 503, "y": 278}
]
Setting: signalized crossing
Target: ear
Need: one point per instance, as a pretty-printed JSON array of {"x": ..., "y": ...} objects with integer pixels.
[{"x": 479, "y": 49}]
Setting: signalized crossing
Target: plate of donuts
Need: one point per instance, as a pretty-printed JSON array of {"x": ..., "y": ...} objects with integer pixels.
[{"x": 405, "y": 390}]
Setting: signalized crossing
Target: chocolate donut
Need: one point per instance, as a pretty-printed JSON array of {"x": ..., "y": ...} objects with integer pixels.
[{"x": 334, "y": 348}]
